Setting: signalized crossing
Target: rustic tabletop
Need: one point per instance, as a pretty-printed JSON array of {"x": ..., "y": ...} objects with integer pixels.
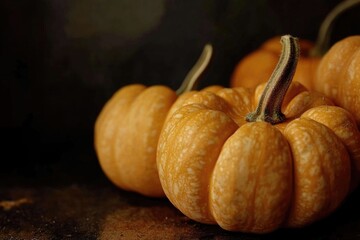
[{"x": 76, "y": 201}]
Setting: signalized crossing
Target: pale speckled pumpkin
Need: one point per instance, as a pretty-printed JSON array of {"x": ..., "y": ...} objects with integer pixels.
[{"x": 218, "y": 164}]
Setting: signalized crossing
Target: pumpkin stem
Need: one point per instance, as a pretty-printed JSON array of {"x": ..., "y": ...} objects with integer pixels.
[
  {"x": 269, "y": 107},
  {"x": 192, "y": 77},
  {"x": 323, "y": 40}
]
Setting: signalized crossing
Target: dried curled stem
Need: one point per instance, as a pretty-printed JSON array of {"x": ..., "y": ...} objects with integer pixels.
[{"x": 269, "y": 107}]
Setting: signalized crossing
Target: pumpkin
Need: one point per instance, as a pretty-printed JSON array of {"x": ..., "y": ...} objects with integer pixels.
[
  {"x": 128, "y": 127},
  {"x": 338, "y": 75},
  {"x": 221, "y": 162},
  {"x": 257, "y": 66}
]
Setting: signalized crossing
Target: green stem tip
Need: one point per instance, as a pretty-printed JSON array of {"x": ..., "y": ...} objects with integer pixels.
[{"x": 192, "y": 77}]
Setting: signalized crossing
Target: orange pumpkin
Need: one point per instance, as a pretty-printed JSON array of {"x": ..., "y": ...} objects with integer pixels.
[
  {"x": 257, "y": 66},
  {"x": 338, "y": 75},
  {"x": 128, "y": 127},
  {"x": 257, "y": 172}
]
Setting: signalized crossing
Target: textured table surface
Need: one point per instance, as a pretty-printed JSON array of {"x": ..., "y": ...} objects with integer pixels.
[{"x": 61, "y": 203}]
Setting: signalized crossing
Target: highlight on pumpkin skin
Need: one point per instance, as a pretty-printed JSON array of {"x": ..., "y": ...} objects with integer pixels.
[
  {"x": 217, "y": 168},
  {"x": 344, "y": 126}
]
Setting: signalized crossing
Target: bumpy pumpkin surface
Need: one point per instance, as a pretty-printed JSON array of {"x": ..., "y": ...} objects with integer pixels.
[
  {"x": 338, "y": 75},
  {"x": 128, "y": 128},
  {"x": 217, "y": 166}
]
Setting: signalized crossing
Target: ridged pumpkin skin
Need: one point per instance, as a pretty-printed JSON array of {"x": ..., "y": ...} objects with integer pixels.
[
  {"x": 216, "y": 168},
  {"x": 256, "y": 67},
  {"x": 127, "y": 132},
  {"x": 126, "y": 135},
  {"x": 338, "y": 75}
]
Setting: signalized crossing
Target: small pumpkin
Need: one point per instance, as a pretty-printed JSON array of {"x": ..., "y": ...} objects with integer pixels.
[
  {"x": 338, "y": 75},
  {"x": 220, "y": 162},
  {"x": 128, "y": 127},
  {"x": 257, "y": 66}
]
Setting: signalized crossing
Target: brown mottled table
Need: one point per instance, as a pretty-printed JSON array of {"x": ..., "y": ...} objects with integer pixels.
[{"x": 77, "y": 202}]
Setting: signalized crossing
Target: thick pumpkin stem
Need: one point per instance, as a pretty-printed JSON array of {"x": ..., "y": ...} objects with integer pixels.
[
  {"x": 192, "y": 77},
  {"x": 269, "y": 107},
  {"x": 323, "y": 40}
]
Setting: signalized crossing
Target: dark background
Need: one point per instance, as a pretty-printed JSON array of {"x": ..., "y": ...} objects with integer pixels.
[{"x": 61, "y": 60}]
